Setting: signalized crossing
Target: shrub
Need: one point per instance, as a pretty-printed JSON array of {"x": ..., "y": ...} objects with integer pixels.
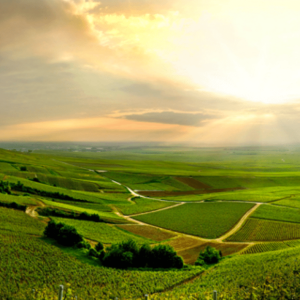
[
  {"x": 93, "y": 253},
  {"x": 145, "y": 256},
  {"x": 64, "y": 234},
  {"x": 52, "y": 229},
  {"x": 84, "y": 245},
  {"x": 99, "y": 247},
  {"x": 68, "y": 236},
  {"x": 164, "y": 256},
  {"x": 128, "y": 254},
  {"x": 209, "y": 256},
  {"x": 23, "y": 168}
]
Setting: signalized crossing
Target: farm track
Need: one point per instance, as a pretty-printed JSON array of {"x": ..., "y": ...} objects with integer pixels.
[
  {"x": 239, "y": 224},
  {"x": 221, "y": 239},
  {"x": 156, "y": 210}
]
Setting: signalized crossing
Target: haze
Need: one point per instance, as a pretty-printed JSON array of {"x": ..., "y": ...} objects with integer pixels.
[{"x": 215, "y": 72}]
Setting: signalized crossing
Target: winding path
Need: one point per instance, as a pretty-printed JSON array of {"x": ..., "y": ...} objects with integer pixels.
[{"x": 221, "y": 239}]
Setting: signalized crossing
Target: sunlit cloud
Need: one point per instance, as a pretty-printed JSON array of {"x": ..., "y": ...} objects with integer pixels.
[{"x": 229, "y": 68}]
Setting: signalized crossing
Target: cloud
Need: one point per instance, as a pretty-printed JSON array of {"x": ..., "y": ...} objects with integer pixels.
[{"x": 169, "y": 117}]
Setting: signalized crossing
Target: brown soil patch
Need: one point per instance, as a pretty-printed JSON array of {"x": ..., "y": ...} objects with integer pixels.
[
  {"x": 184, "y": 193},
  {"x": 185, "y": 242},
  {"x": 190, "y": 255},
  {"x": 194, "y": 183},
  {"x": 148, "y": 232}
]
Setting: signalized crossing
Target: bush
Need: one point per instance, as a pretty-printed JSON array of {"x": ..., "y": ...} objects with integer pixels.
[
  {"x": 164, "y": 256},
  {"x": 23, "y": 168},
  {"x": 128, "y": 254},
  {"x": 64, "y": 234},
  {"x": 93, "y": 253},
  {"x": 68, "y": 236},
  {"x": 84, "y": 245},
  {"x": 52, "y": 229},
  {"x": 99, "y": 247},
  {"x": 145, "y": 256},
  {"x": 209, "y": 256}
]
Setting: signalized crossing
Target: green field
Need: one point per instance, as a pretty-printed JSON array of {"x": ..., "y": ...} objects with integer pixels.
[
  {"x": 101, "y": 232},
  {"x": 141, "y": 205},
  {"x": 17, "y": 221},
  {"x": 220, "y": 178},
  {"x": 209, "y": 220},
  {"x": 278, "y": 213},
  {"x": 264, "y": 247},
  {"x": 265, "y": 230},
  {"x": 21, "y": 254},
  {"x": 102, "y": 214}
]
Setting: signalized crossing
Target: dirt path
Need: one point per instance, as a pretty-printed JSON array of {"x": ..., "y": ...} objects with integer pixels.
[
  {"x": 31, "y": 210},
  {"x": 239, "y": 224},
  {"x": 160, "y": 209}
]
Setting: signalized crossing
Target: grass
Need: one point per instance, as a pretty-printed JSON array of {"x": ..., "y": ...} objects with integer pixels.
[
  {"x": 102, "y": 232},
  {"x": 265, "y": 230},
  {"x": 277, "y": 213},
  {"x": 208, "y": 220},
  {"x": 148, "y": 232},
  {"x": 141, "y": 205},
  {"x": 17, "y": 221},
  {"x": 270, "y": 275},
  {"x": 102, "y": 214},
  {"x": 264, "y": 247},
  {"x": 24, "y": 200},
  {"x": 28, "y": 262}
]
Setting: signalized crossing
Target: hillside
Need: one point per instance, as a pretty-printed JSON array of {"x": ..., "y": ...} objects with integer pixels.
[{"x": 243, "y": 204}]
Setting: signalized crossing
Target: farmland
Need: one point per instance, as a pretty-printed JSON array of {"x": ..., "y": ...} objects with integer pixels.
[
  {"x": 265, "y": 230},
  {"x": 201, "y": 195},
  {"x": 148, "y": 232},
  {"x": 102, "y": 232},
  {"x": 208, "y": 220},
  {"x": 265, "y": 247}
]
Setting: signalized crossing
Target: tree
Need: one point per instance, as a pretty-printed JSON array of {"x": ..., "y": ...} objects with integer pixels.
[{"x": 164, "y": 256}]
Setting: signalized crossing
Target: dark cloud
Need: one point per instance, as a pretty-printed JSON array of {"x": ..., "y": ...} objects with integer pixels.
[{"x": 169, "y": 117}]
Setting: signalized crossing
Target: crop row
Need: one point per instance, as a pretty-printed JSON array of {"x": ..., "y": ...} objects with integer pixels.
[
  {"x": 265, "y": 230},
  {"x": 264, "y": 247},
  {"x": 29, "y": 263},
  {"x": 209, "y": 220}
]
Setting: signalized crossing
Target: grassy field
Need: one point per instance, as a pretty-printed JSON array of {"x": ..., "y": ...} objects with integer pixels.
[
  {"x": 141, "y": 205},
  {"x": 103, "y": 214},
  {"x": 102, "y": 232},
  {"x": 27, "y": 263},
  {"x": 272, "y": 212},
  {"x": 265, "y": 230},
  {"x": 148, "y": 232},
  {"x": 18, "y": 221},
  {"x": 208, "y": 220}
]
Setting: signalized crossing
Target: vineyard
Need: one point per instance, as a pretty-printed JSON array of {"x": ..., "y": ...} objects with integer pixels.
[
  {"x": 264, "y": 247},
  {"x": 28, "y": 263},
  {"x": 209, "y": 220},
  {"x": 260, "y": 258},
  {"x": 272, "y": 212},
  {"x": 264, "y": 230},
  {"x": 102, "y": 232}
]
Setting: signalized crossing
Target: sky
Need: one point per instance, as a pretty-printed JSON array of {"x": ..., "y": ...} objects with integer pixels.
[{"x": 206, "y": 72}]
